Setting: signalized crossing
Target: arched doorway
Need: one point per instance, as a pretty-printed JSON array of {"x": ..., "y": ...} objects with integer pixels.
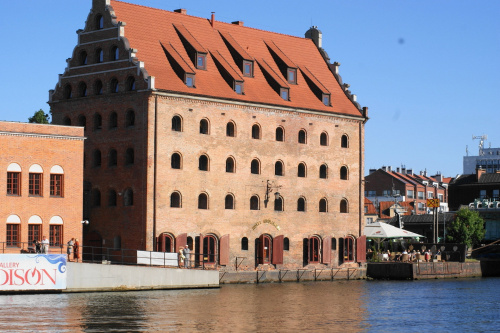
[
  {"x": 346, "y": 250},
  {"x": 210, "y": 250},
  {"x": 165, "y": 243},
  {"x": 264, "y": 249}
]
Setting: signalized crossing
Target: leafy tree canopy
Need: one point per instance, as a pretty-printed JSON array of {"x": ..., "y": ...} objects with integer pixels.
[
  {"x": 39, "y": 117},
  {"x": 467, "y": 228}
]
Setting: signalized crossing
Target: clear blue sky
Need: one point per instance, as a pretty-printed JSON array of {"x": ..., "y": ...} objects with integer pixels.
[{"x": 428, "y": 70}]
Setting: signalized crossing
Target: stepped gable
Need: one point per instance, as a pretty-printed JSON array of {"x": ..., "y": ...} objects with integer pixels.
[{"x": 147, "y": 29}]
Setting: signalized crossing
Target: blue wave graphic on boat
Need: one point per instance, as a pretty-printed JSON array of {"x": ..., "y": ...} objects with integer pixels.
[{"x": 54, "y": 259}]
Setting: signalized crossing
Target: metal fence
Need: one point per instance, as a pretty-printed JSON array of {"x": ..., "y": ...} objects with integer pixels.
[{"x": 105, "y": 255}]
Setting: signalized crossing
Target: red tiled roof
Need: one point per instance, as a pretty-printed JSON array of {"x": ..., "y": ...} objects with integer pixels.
[
  {"x": 147, "y": 28},
  {"x": 385, "y": 205},
  {"x": 370, "y": 207}
]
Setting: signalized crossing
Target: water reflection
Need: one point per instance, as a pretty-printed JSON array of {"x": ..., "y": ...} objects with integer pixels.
[{"x": 353, "y": 306}]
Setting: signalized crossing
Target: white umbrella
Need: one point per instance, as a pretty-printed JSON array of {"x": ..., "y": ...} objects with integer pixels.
[{"x": 384, "y": 230}]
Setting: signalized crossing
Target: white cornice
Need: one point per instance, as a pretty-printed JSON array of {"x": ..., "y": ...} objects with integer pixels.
[{"x": 45, "y": 136}]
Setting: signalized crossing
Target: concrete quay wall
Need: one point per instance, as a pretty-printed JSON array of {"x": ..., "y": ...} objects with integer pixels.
[
  {"x": 85, "y": 277},
  {"x": 423, "y": 270},
  {"x": 300, "y": 275}
]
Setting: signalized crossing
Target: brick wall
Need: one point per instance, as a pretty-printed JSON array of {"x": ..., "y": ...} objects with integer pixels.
[{"x": 47, "y": 146}]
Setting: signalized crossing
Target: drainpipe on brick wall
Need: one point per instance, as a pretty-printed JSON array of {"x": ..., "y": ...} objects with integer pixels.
[
  {"x": 361, "y": 194},
  {"x": 155, "y": 169}
]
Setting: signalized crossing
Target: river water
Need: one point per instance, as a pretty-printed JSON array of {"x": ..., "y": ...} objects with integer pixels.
[{"x": 462, "y": 305}]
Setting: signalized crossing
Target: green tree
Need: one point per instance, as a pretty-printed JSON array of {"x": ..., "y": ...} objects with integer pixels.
[
  {"x": 467, "y": 228},
  {"x": 39, "y": 117}
]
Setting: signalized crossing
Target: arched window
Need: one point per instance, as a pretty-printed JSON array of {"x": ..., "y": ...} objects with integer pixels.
[
  {"x": 175, "y": 200},
  {"x": 115, "y": 53},
  {"x": 255, "y": 167},
  {"x": 176, "y": 124},
  {"x": 286, "y": 244},
  {"x": 278, "y": 168},
  {"x": 99, "y": 56},
  {"x": 301, "y": 170},
  {"x": 230, "y": 165},
  {"x": 82, "y": 120},
  {"x": 82, "y": 89},
  {"x": 113, "y": 158},
  {"x": 129, "y": 156},
  {"x": 128, "y": 197},
  {"x": 204, "y": 126},
  {"x": 113, "y": 120},
  {"x": 175, "y": 161},
  {"x": 334, "y": 243},
  {"x": 256, "y": 132},
  {"x": 323, "y": 171},
  {"x": 203, "y": 163},
  {"x": 278, "y": 204},
  {"x": 96, "y": 198},
  {"x": 230, "y": 129},
  {"x": 301, "y": 204},
  {"x": 130, "y": 118},
  {"x": 344, "y": 143},
  {"x": 323, "y": 205},
  {"x": 344, "y": 174},
  {"x": 97, "y": 158},
  {"x": 67, "y": 121},
  {"x": 254, "y": 203},
  {"x": 111, "y": 198},
  {"x": 130, "y": 83},
  {"x": 344, "y": 206},
  {"x": 114, "y": 86},
  {"x": 280, "y": 134},
  {"x": 67, "y": 91},
  {"x": 98, "y": 87},
  {"x": 244, "y": 244},
  {"x": 99, "y": 22},
  {"x": 229, "y": 201},
  {"x": 203, "y": 201},
  {"x": 302, "y": 136},
  {"x": 97, "y": 122},
  {"x": 323, "y": 139},
  {"x": 83, "y": 58}
]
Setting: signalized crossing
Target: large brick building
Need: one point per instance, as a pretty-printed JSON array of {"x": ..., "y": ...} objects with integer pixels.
[
  {"x": 43, "y": 177},
  {"x": 242, "y": 143}
]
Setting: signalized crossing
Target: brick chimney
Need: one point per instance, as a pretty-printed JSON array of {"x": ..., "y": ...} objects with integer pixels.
[{"x": 479, "y": 173}]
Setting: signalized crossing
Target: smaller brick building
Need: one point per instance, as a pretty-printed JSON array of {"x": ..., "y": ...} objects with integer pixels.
[{"x": 42, "y": 181}]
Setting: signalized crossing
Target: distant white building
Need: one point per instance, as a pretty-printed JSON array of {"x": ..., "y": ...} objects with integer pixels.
[{"x": 488, "y": 159}]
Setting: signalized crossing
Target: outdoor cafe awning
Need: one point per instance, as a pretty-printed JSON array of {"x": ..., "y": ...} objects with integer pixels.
[{"x": 384, "y": 230}]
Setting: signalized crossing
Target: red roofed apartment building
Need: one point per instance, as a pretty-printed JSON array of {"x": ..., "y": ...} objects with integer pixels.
[
  {"x": 411, "y": 191},
  {"x": 43, "y": 177},
  {"x": 195, "y": 125}
]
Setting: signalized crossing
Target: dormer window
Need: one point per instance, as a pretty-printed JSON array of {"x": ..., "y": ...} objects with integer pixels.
[
  {"x": 326, "y": 99},
  {"x": 189, "y": 80},
  {"x": 292, "y": 75},
  {"x": 201, "y": 61},
  {"x": 238, "y": 87},
  {"x": 247, "y": 68},
  {"x": 284, "y": 93}
]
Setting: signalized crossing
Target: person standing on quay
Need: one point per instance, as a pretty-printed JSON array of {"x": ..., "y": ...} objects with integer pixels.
[
  {"x": 76, "y": 249},
  {"x": 187, "y": 253},
  {"x": 71, "y": 243},
  {"x": 45, "y": 245},
  {"x": 181, "y": 257}
]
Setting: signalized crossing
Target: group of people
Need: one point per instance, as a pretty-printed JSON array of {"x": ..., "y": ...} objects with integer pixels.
[
  {"x": 41, "y": 246},
  {"x": 73, "y": 247},
  {"x": 427, "y": 255},
  {"x": 184, "y": 257}
]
